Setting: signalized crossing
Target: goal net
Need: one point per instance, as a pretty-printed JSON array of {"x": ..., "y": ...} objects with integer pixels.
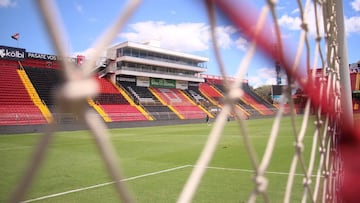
[{"x": 330, "y": 172}]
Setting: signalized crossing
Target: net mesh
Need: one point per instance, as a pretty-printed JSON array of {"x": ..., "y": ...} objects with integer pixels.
[{"x": 324, "y": 172}]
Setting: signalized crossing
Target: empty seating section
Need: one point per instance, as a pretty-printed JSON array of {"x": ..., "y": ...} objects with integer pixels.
[
  {"x": 106, "y": 98},
  {"x": 16, "y": 106},
  {"x": 141, "y": 95},
  {"x": 44, "y": 80},
  {"x": 151, "y": 104},
  {"x": 122, "y": 112},
  {"x": 210, "y": 91},
  {"x": 250, "y": 102},
  {"x": 179, "y": 102},
  {"x": 40, "y": 63},
  {"x": 20, "y": 115},
  {"x": 114, "y": 103},
  {"x": 255, "y": 96},
  {"x": 106, "y": 86},
  {"x": 245, "y": 106},
  {"x": 248, "y": 108},
  {"x": 258, "y": 106},
  {"x": 196, "y": 95},
  {"x": 160, "y": 112},
  {"x": 190, "y": 112},
  {"x": 220, "y": 87}
]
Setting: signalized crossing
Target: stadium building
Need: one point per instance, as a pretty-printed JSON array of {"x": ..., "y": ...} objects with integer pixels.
[{"x": 138, "y": 82}]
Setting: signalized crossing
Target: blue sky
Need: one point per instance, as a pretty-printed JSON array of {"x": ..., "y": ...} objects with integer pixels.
[{"x": 180, "y": 25}]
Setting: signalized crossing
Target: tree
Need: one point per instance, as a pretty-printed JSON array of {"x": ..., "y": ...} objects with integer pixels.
[{"x": 264, "y": 92}]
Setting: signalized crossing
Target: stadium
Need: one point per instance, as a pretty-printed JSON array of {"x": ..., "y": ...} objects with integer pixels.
[
  {"x": 147, "y": 124},
  {"x": 139, "y": 85},
  {"x": 137, "y": 82}
]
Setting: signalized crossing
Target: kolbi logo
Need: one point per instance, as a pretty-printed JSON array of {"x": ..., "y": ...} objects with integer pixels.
[
  {"x": 2, "y": 53},
  {"x": 12, "y": 53}
]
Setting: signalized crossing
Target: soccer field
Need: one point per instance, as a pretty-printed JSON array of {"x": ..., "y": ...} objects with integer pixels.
[{"x": 156, "y": 162}]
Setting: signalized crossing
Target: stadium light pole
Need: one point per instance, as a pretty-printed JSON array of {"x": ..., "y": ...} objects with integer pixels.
[{"x": 346, "y": 98}]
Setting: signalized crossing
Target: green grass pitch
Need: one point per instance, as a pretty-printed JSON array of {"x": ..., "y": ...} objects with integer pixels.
[{"x": 156, "y": 161}]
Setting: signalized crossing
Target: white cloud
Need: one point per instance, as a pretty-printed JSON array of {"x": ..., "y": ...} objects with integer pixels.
[
  {"x": 179, "y": 37},
  {"x": 79, "y": 8},
  {"x": 352, "y": 25},
  {"x": 242, "y": 44},
  {"x": 291, "y": 23},
  {"x": 297, "y": 10},
  {"x": 265, "y": 76},
  {"x": 185, "y": 37},
  {"x": 294, "y": 22},
  {"x": 223, "y": 36},
  {"x": 7, "y": 3},
  {"x": 356, "y": 5}
]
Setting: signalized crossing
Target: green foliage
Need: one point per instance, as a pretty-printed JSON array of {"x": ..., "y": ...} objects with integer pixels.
[
  {"x": 264, "y": 92},
  {"x": 73, "y": 162}
]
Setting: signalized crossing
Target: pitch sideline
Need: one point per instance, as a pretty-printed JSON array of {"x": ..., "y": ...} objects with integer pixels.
[
  {"x": 103, "y": 184},
  {"x": 145, "y": 175}
]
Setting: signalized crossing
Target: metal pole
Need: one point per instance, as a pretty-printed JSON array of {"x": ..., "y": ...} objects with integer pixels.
[{"x": 346, "y": 98}]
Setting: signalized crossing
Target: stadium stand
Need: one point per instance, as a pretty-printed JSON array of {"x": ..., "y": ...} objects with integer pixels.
[
  {"x": 45, "y": 80},
  {"x": 181, "y": 104},
  {"x": 251, "y": 103},
  {"x": 144, "y": 97},
  {"x": 243, "y": 105},
  {"x": 114, "y": 104},
  {"x": 129, "y": 90},
  {"x": 16, "y": 105},
  {"x": 210, "y": 92},
  {"x": 255, "y": 100},
  {"x": 160, "y": 112},
  {"x": 141, "y": 95}
]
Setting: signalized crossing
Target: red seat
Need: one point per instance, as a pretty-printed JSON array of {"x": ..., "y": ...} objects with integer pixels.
[
  {"x": 123, "y": 112},
  {"x": 16, "y": 106},
  {"x": 180, "y": 103}
]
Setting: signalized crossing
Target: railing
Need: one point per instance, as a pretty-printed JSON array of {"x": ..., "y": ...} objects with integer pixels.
[
  {"x": 151, "y": 71},
  {"x": 21, "y": 119}
]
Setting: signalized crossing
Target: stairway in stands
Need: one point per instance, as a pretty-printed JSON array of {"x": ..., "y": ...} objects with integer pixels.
[
  {"x": 144, "y": 97},
  {"x": 180, "y": 103},
  {"x": 256, "y": 101},
  {"x": 260, "y": 107},
  {"x": 16, "y": 105},
  {"x": 114, "y": 105}
]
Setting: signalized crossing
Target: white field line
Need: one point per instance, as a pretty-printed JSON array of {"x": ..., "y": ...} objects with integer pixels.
[
  {"x": 104, "y": 184},
  {"x": 251, "y": 171},
  {"x": 148, "y": 174}
]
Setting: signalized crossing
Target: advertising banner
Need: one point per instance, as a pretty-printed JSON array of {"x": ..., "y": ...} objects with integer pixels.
[
  {"x": 12, "y": 53},
  {"x": 183, "y": 85},
  {"x": 47, "y": 57},
  {"x": 142, "y": 81},
  {"x": 163, "y": 83}
]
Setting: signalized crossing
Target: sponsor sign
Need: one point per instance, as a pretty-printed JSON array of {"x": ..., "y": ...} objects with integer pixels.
[
  {"x": 126, "y": 79},
  {"x": 142, "y": 81},
  {"x": 46, "y": 57},
  {"x": 183, "y": 85},
  {"x": 157, "y": 82},
  {"x": 193, "y": 84},
  {"x": 11, "y": 53}
]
